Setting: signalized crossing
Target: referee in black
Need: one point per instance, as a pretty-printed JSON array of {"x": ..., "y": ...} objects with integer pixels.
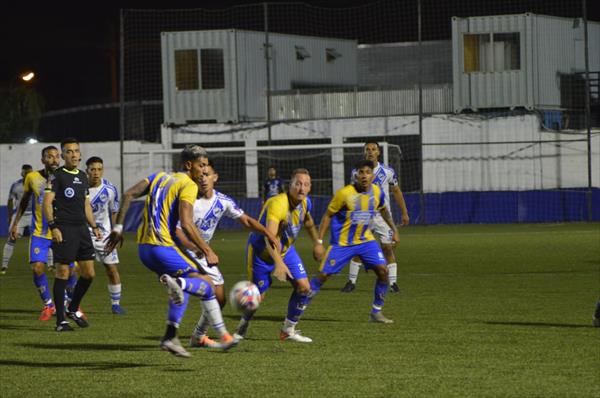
[{"x": 68, "y": 211}]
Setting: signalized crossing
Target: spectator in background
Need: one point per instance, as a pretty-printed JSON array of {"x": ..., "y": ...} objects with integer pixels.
[{"x": 273, "y": 185}]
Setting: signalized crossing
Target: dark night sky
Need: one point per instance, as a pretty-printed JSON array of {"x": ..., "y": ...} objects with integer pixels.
[{"x": 73, "y": 47}]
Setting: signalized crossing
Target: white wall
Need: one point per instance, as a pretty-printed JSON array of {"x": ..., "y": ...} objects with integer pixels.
[
  {"x": 461, "y": 153},
  {"x": 12, "y": 156}
]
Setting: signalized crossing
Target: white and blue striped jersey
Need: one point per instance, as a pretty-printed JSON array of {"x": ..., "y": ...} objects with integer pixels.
[
  {"x": 208, "y": 213},
  {"x": 105, "y": 201},
  {"x": 16, "y": 193},
  {"x": 384, "y": 177}
]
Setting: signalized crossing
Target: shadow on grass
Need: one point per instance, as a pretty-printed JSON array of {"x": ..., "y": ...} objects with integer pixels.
[
  {"x": 89, "y": 347},
  {"x": 88, "y": 365},
  {"x": 6, "y": 326},
  {"x": 540, "y": 324},
  {"x": 289, "y": 287},
  {"x": 18, "y": 311},
  {"x": 279, "y": 318}
]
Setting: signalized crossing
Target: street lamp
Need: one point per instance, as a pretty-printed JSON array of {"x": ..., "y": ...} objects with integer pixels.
[{"x": 28, "y": 76}]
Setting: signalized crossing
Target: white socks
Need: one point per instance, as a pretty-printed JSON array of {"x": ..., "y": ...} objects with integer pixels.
[
  {"x": 115, "y": 293},
  {"x": 9, "y": 247},
  {"x": 393, "y": 272},
  {"x": 212, "y": 311},
  {"x": 353, "y": 271}
]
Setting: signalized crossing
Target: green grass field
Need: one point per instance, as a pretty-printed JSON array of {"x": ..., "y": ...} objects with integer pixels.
[{"x": 485, "y": 311}]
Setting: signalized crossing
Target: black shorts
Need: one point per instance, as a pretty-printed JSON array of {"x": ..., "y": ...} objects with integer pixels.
[{"x": 76, "y": 245}]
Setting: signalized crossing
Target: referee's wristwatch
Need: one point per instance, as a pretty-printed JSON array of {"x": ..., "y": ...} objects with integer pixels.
[{"x": 52, "y": 224}]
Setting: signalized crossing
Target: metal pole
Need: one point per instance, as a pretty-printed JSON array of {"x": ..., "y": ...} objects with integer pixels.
[
  {"x": 122, "y": 100},
  {"x": 268, "y": 70},
  {"x": 420, "y": 58},
  {"x": 588, "y": 121}
]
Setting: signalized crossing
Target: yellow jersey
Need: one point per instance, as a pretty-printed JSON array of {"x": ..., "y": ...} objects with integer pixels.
[
  {"x": 161, "y": 210},
  {"x": 35, "y": 183},
  {"x": 290, "y": 220},
  {"x": 351, "y": 212}
]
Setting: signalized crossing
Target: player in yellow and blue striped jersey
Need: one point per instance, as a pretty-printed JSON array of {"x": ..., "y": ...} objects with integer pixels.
[
  {"x": 170, "y": 200},
  {"x": 349, "y": 214}
]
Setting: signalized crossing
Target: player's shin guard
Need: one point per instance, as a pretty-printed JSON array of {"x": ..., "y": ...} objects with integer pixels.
[
  {"x": 392, "y": 272},
  {"x": 176, "y": 311},
  {"x": 212, "y": 311},
  {"x": 59, "y": 294},
  {"x": 41, "y": 284},
  {"x": 82, "y": 286},
  {"x": 380, "y": 291},
  {"x": 296, "y": 306},
  {"x": 7, "y": 253},
  {"x": 353, "y": 270}
]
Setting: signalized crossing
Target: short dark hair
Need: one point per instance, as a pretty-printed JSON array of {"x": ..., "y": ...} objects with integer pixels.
[
  {"x": 26, "y": 167},
  {"x": 93, "y": 159},
  {"x": 68, "y": 140},
  {"x": 372, "y": 141},
  {"x": 48, "y": 148},
  {"x": 192, "y": 152},
  {"x": 364, "y": 163}
]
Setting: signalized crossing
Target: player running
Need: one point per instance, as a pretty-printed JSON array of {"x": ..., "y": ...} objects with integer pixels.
[
  {"x": 40, "y": 240},
  {"x": 14, "y": 198},
  {"x": 105, "y": 205},
  {"x": 385, "y": 177},
  {"x": 210, "y": 206},
  {"x": 284, "y": 215},
  {"x": 349, "y": 214},
  {"x": 170, "y": 199}
]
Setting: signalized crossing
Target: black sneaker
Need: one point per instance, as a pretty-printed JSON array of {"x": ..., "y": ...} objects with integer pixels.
[
  {"x": 349, "y": 287},
  {"x": 64, "y": 327},
  {"x": 77, "y": 316},
  {"x": 394, "y": 288}
]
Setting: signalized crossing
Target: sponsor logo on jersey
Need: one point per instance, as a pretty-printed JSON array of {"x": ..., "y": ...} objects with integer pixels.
[{"x": 76, "y": 180}]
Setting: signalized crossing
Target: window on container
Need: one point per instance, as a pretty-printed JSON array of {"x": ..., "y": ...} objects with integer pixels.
[
  {"x": 477, "y": 53},
  {"x": 301, "y": 53},
  {"x": 212, "y": 68},
  {"x": 507, "y": 51},
  {"x": 331, "y": 54},
  {"x": 186, "y": 69}
]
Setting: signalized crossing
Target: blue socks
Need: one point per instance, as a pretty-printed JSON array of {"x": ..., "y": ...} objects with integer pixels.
[
  {"x": 379, "y": 293},
  {"x": 297, "y": 305},
  {"x": 41, "y": 284},
  {"x": 176, "y": 311},
  {"x": 197, "y": 287}
]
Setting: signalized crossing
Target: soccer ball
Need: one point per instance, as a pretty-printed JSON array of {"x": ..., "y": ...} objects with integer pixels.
[{"x": 245, "y": 296}]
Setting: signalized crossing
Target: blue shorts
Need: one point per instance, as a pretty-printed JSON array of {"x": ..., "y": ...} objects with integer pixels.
[
  {"x": 166, "y": 260},
  {"x": 337, "y": 257},
  {"x": 38, "y": 249},
  {"x": 259, "y": 271}
]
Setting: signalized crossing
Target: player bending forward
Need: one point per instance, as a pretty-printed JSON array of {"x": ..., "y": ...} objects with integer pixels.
[
  {"x": 209, "y": 208},
  {"x": 170, "y": 199},
  {"x": 349, "y": 214}
]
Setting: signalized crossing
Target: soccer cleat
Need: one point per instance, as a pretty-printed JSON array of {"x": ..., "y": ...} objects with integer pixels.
[
  {"x": 64, "y": 327},
  {"x": 174, "y": 347},
  {"x": 77, "y": 316},
  {"x": 349, "y": 287},
  {"x": 294, "y": 335},
  {"x": 242, "y": 329},
  {"x": 3, "y": 270},
  {"x": 203, "y": 342},
  {"x": 47, "y": 313},
  {"x": 173, "y": 289},
  {"x": 378, "y": 317},
  {"x": 394, "y": 288},
  {"x": 228, "y": 341},
  {"x": 118, "y": 310}
]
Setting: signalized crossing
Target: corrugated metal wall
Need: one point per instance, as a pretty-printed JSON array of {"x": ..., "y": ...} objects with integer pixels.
[{"x": 360, "y": 103}]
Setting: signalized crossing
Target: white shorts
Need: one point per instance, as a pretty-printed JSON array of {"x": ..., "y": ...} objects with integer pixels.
[
  {"x": 101, "y": 255},
  {"x": 213, "y": 272},
  {"x": 24, "y": 222},
  {"x": 381, "y": 230}
]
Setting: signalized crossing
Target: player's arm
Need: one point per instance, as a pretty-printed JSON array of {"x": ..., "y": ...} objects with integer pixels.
[
  {"x": 311, "y": 228},
  {"x": 387, "y": 217},
  {"x": 48, "y": 211},
  {"x": 253, "y": 225},
  {"x": 116, "y": 236},
  {"x": 281, "y": 271},
  {"x": 9, "y": 207},
  {"x": 399, "y": 198},
  {"x": 186, "y": 216},
  {"x": 184, "y": 241},
  {"x": 89, "y": 216},
  {"x": 22, "y": 208}
]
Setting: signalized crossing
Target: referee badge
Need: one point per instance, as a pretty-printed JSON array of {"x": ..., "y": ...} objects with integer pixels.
[{"x": 69, "y": 192}]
